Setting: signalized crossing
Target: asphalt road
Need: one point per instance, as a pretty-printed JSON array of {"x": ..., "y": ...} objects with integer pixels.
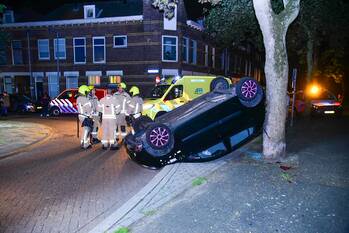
[{"x": 57, "y": 187}]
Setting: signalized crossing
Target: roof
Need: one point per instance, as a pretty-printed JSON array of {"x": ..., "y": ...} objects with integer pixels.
[{"x": 104, "y": 9}]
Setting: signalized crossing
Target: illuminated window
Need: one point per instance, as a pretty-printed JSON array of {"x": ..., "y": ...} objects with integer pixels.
[
  {"x": 94, "y": 80},
  {"x": 114, "y": 79}
]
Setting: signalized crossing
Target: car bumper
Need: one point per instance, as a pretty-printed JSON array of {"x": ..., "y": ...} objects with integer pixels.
[{"x": 326, "y": 110}]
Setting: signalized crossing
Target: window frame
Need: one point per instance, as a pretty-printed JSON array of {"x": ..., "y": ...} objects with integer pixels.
[
  {"x": 84, "y": 38},
  {"x": 163, "y": 45},
  {"x": 48, "y": 46},
  {"x": 54, "y": 48},
  {"x": 186, "y": 49},
  {"x": 12, "y": 51},
  {"x": 194, "y": 50},
  {"x": 93, "y": 49},
  {"x": 120, "y": 46}
]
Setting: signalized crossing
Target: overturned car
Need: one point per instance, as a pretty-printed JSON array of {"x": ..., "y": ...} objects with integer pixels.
[{"x": 206, "y": 128}]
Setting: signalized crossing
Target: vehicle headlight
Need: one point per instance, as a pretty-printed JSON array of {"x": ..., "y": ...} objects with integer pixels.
[{"x": 148, "y": 106}]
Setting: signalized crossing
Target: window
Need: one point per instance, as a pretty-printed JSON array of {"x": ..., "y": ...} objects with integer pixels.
[
  {"x": 89, "y": 11},
  {"x": 53, "y": 85},
  {"x": 17, "y": 56},
  {"x": 79, "y": 50},
  {"x": 71, "y": 82},
  {"x": 98, "y": 49},
  {"x": 175, "y": 92},
  {"x": 120, "y": 42},
  {"x": 213, "y": 57},
  {"x": 206, "y": 55},
  {"x": 3, "y": 57},
  {"x": 193, "y": 51},
  {"x": 44, "y": 49},
  {"x": 169, "y": 49},
  {"x": 59, "y": 48},
  {"x": 114, "y": 79},
  {"x": 8, "y": 85},
  {"x": 185, "y": 48},
  {"x": 94, "y": 80},
  {"x": 8, "y": 17},
  {"x": 66, "y": 95}
]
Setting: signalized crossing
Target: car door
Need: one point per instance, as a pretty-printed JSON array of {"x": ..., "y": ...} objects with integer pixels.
[{"x": 174, "y": 97}]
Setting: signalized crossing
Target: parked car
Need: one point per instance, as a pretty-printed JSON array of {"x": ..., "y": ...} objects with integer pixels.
[
  {"x": 22, "y": 104},
  {"x": 322, "y": 102},
  {"x": 206, "y": 128},
  {"x": 65, "y": 102},
  {"x": 174, "y": 92}
]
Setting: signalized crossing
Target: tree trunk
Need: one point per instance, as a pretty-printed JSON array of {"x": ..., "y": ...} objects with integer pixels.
[
  {"x": 310, "y": 53},
  {"x": 274, "y": 28}
]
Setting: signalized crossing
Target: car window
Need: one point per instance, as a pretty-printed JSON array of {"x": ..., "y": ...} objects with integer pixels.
[
  {"x": 158, "y": 91},
  {"x": 175, "y": 92},
  {"x": 325, "y": 95},
  {"x": 66, "y": 95}
]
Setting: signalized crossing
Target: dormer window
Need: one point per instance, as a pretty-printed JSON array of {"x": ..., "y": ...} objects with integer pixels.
[
  {"x": 8, "y": 17},
  {"x": 89, "y": 11}
]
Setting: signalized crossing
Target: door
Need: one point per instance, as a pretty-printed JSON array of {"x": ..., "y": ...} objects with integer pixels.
[{"x": 53, "y": 85}]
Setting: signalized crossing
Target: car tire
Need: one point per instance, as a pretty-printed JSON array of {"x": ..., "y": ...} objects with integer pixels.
[
  {"x": 219, "y": 83},
  {"x": 249, "y": 92},
  {"x": 160, "y": 138},
  {"x": 141, "y": 123},
  {"x": 55, "y": 111}
]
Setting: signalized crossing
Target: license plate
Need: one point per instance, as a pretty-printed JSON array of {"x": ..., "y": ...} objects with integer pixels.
[
  {"x": 39, "y": 107},
  {"x": 329, "y": 112}
]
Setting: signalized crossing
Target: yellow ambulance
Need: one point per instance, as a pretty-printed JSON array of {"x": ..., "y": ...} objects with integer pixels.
[{"x": 174, "y": 92}]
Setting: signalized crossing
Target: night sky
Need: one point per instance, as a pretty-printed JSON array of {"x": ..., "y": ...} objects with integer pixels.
[{"x": 41, "y": 7}]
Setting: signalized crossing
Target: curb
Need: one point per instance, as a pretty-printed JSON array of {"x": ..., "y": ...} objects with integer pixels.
[
  {"x": 37, "y": 142},
  {"x": 128, "y": 214},
  {"x": 126, "y": 208}
]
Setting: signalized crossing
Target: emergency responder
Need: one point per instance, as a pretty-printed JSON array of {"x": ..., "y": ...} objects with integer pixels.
[
  {"x": 85, "y": 115},
  {"x": 124, "y": 99},
  {"x": 95, "y": 114},
  {"x": 136, "y": 105},
  {"x": 110, "y": 109}
]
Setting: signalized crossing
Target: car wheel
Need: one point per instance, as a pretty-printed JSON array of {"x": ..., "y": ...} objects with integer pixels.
[
  {"x": 250, "y": 93},
  {"x": 55, "y": 111},
  {"x": 141, "y": 123},
  {"x": 219, "y": 83},
  {"x": 159, "y": 137}
]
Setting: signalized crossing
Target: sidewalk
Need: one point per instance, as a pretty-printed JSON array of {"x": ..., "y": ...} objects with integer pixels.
[
  {"x": 251, "y": 196},
  {"x": 17, "y": 135}
]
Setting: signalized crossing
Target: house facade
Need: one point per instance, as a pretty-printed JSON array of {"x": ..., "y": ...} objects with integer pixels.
[{"x": 96, "y": 44}]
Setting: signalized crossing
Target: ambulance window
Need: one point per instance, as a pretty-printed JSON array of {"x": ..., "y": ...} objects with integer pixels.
[
  {"x": 175, "y": 92},
  {"x": 158, "y": 91}
]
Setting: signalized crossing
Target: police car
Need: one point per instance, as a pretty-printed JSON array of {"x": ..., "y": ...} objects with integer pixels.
[{"x": 65, "y": 102}]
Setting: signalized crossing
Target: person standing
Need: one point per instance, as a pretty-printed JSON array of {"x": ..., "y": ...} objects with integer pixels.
[
  {"x": 109, "y": 107},
  {"x": 124, "y": 99},
  {"x": 5, "y": 104},
  {"x": 45, "y": 101},
  {"x": 85, "y": 115},
  {"x": 136, "y": 105},
  {"x": 95, "y": 114}
]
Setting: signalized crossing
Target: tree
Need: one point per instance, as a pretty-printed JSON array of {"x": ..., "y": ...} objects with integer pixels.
[{"x": 274, "y": 26}]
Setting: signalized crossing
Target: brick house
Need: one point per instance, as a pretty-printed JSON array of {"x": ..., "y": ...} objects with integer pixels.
[{"x": 94, "y": 44}]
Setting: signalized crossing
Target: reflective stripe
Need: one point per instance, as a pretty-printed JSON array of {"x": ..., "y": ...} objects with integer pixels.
[
  {"x": 94, "y": 133},
  {"x": 137, "y": 115},
  {"x": 108, "y": 116},
  {"x": 104, "y": 141},
  {"x": 123, "y": 134},
  {"x": 137, "y": 107}
]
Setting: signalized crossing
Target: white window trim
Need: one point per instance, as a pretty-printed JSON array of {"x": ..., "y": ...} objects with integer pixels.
[
  {"x": 49, "y": 54},
  {"x": 13, "y": 57},
  {"x": 54, "y": 48},
  {"x": 88, "y": 7},
  {"x": 93, "y": 49},
  {"x": 162, "y": 48},
  {"x": 187, "y": 48},
  {"x": 84, "y": 38},
  {"x": 120, "y": 46}
]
